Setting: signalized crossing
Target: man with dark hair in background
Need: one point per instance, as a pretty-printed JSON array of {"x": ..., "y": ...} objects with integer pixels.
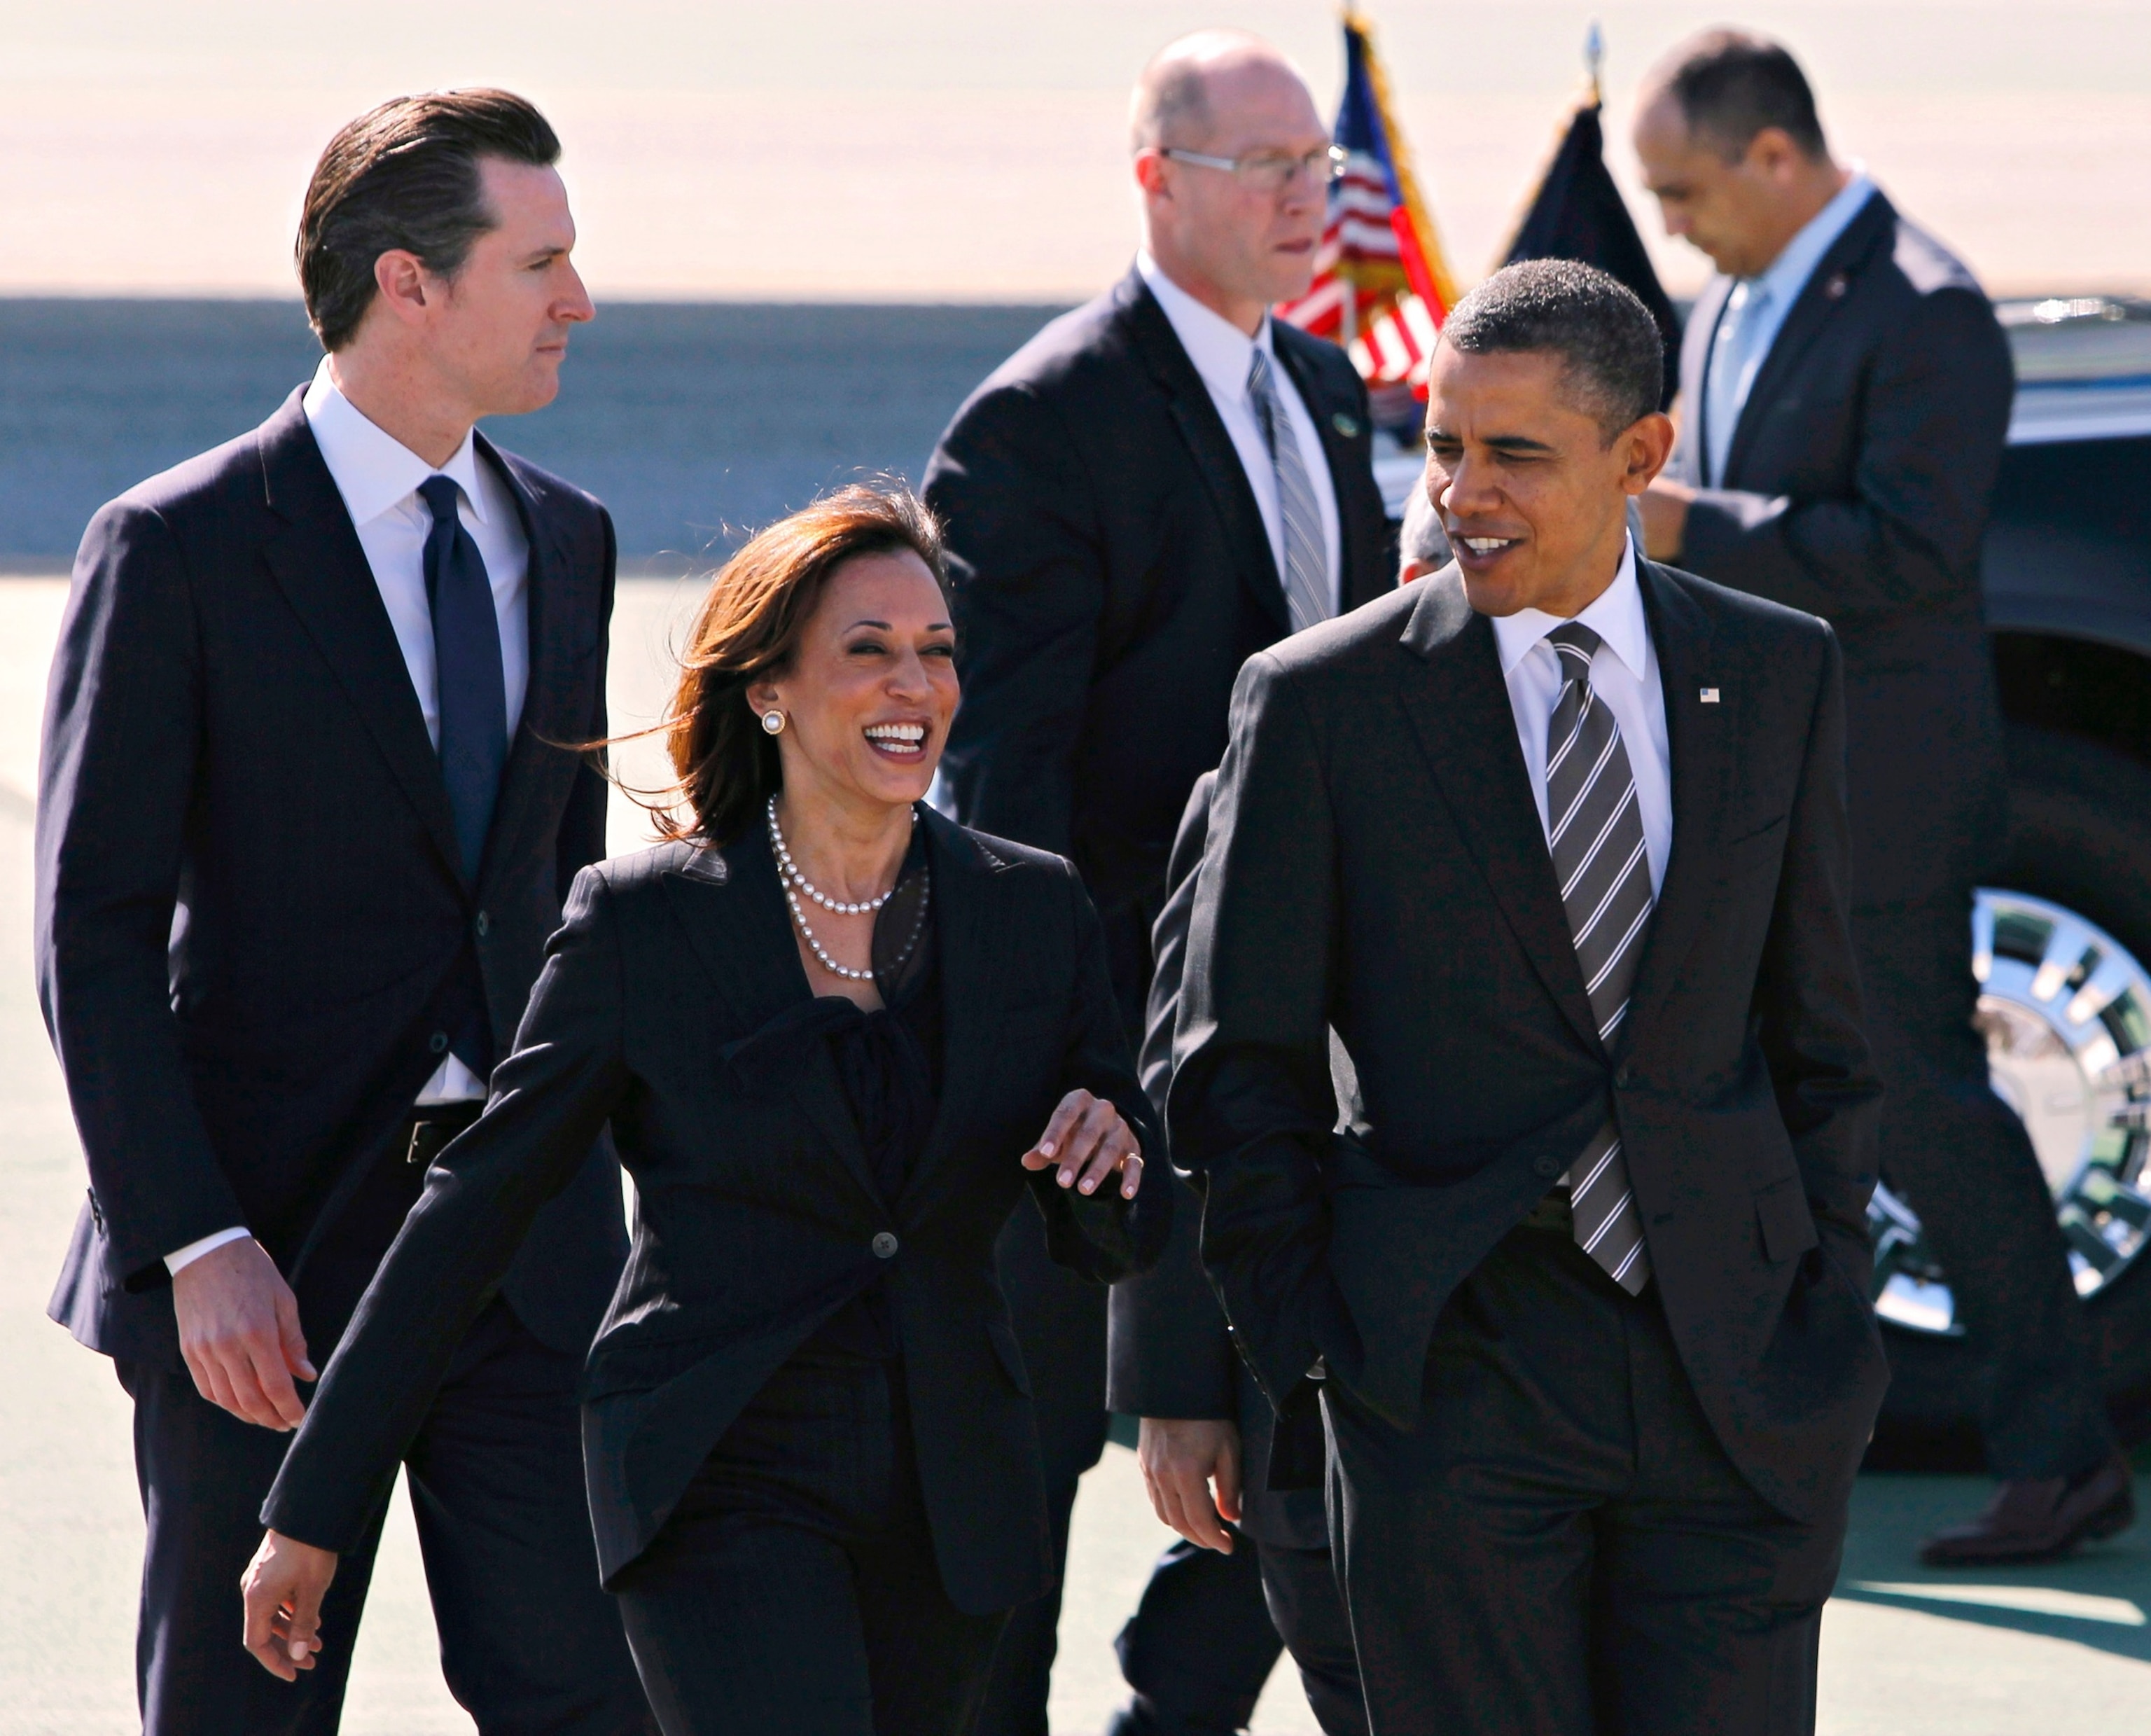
[
  {"x": 1156, "y": 485},
  {"x": 1553, "y": 843},
  {"x": 1846, "y": 393},
  {"x": 305, "y": 823}
]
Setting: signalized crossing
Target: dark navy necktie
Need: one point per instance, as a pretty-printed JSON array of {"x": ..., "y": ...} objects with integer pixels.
[{"x": 473, "y": 691}]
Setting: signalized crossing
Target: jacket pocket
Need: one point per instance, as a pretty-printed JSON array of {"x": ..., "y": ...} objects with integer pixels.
[
  {"x": 1010, "y": 1353},
  {"x": 1788, "y": 1226}
]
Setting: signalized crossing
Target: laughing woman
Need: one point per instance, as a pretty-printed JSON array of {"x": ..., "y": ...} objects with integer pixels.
[{"x": 835, "y": 1036}]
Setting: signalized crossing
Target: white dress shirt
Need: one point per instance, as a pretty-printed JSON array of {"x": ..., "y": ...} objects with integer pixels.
[
  {"x": 1754, "y": 313},
  {"x": 1624, "y": 674},
  {"x": 378, "y": 477},
  {"x": 1222, "y": 354}
]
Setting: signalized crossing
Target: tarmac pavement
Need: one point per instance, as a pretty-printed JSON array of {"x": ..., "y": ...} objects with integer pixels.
[{"x": 1905, "y": 1652}]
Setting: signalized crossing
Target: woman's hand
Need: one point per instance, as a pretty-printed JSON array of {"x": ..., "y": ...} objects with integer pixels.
[
  {"x": 283, "y": 1586},
  {"x": 1088, "y": 1139}
]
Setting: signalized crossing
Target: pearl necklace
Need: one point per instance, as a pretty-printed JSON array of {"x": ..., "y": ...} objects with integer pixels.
[
  {"x": 799, "y": 916},
  {"x": 791, "y": 873}
]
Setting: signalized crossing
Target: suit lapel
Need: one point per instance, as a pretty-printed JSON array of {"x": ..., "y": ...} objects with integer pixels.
[
  {"x": 732, "y": 906},
  {"x": 1347, "y": 455},
  {"x": 970, "y": 932},
  {"x": 555, "y": 594},
  {"x": 1215, "y": 458},
  {"x": 1452, "y": 693},
  {"x": 318, "y": 563},
  {"x": 1824, "y": 295},
  {"x": 1697, "y": 742}
]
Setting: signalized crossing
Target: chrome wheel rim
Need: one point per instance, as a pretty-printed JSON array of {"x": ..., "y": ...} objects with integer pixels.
[{"x": 2066, "y": 1011}]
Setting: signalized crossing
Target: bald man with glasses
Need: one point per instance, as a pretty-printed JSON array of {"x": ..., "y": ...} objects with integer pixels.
[{"x": 1157, "y": 486}]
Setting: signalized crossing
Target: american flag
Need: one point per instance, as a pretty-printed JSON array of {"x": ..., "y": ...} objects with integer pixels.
[{"x": 1381, "y": 288}]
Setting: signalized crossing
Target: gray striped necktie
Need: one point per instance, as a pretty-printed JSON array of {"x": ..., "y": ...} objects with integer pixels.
[
  {"x": 1306, "y": 570},
  {"x": 1596, "y": 836}
]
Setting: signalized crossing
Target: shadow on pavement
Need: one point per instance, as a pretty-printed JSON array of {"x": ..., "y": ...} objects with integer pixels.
[{"x": 2100, "y": 1596}]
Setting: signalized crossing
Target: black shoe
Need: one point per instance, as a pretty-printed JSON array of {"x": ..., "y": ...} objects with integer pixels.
[{"x": 2036, "y": 1519}]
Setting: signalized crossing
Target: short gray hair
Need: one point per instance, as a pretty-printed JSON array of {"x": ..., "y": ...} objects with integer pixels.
[
  {"x": 1608, "y": 344},
  {"x": 1423, "y": 541}
]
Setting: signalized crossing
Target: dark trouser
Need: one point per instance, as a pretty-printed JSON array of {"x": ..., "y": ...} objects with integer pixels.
[
  {"x": 793, "y": 1592},
  {"x": 1560, "y": 1546},
  {"x": 529, "y": 1643},
  {"x": 1060, "y": 1321},
  {"x": 1202, "y": 1643},
  {"x": 1962, "y": 1161}
]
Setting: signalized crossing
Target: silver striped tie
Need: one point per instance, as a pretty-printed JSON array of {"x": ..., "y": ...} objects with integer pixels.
[
  {"x": 1306, "y": 569},
  {"x": 1596, "y": 835}
]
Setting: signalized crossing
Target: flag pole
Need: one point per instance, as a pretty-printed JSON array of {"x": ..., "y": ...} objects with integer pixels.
[{"x": 1423, "y": 261}]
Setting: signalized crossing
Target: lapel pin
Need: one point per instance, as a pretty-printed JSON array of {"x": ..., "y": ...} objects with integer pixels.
[
  {"x": 1835, "y": 288},
  {"x": 1709, "y": 695},
  {"x": 1346, "y": 426}
]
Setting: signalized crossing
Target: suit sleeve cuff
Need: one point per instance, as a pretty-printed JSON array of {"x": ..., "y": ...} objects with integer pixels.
[{"x": 181, "y": 1258}]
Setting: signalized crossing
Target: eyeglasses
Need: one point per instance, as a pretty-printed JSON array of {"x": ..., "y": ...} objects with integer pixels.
[{"x": 1270, "y": 171}]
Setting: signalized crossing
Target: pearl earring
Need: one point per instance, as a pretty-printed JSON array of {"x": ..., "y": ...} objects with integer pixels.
[{"x": 773, "y": 721}]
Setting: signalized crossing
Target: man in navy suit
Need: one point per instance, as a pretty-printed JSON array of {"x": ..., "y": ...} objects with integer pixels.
[
  {"x": 1155, "y": 487},
  {"x": 306, "y": 816},
  {"x": 1847, "y": 390}
]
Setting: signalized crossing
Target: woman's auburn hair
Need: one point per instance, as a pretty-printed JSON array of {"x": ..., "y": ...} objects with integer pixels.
[{"x": 724, "y": 765}]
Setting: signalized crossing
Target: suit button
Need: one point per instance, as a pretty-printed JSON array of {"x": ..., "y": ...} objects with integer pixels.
[
  {"x": 439, "y": 1042},
  {"x": 1545, "y": 1168},
  {"x": 883, "y": 1246},
  {"x": 1621, "y": 1077},
  {"x": 484, "y": 925}
]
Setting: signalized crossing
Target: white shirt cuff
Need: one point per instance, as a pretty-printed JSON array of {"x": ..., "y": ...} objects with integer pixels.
[{"x": 194, "y": 1250}]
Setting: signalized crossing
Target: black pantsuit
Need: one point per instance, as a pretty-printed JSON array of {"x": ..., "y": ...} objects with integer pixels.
[
  {"x": 1582, "y": 1556},
  {"x": 794, "y": 1589},
  {"x": 793, "y": 1205}
]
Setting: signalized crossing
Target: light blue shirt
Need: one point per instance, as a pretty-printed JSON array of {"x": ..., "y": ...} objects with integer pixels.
[{"x": 1754, "y": 313}]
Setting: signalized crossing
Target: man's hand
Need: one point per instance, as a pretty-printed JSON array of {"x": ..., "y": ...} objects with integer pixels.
[
  {"x": 238, "y": 1331},
  {"x": 283, "y": 1586},
  {"x": 1181, "y": 1458},
  {"x": 1664, "y": 507}
]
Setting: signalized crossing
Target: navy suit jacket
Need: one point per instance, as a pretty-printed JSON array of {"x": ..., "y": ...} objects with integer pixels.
[
  {"x": 251, "y": 920},
  {"x": 1857, "y": 488},
  {"x": 1111, "y": 573}
]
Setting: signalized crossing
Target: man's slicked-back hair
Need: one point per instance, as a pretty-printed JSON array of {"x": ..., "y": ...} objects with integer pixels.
[
  {"x": 405, "y": 176},
  {"x": 1610, "y": 352},
  {"x": 1730, "y": 84}
]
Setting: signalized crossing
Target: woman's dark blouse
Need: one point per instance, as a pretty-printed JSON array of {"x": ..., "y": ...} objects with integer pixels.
[{"x": 790, "y": 1156}]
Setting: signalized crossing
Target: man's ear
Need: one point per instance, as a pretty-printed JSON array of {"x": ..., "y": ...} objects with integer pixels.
[
  {"x": 403, "y": 284},
  {"x": 1647, "y": 443}
]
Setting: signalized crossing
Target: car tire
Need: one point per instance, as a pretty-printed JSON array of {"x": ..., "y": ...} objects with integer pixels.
[{"x": 2080, "y": 837}]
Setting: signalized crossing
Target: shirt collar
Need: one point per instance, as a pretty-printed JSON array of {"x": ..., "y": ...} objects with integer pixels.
[
  {"x": 373, "y": 469},
  {"x": 1616, "y": 615},
  {"x": 1788, "y": 272},
  {"x": 1220, "y": 350}
]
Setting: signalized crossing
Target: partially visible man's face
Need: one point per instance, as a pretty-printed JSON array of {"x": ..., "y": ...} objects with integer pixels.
[
  {"x": 502, "y": 332},
  {"x": 1735, "y": 211},
  {"x": 1256, "y": 245},
  {"x": 1532, "y": 494}
]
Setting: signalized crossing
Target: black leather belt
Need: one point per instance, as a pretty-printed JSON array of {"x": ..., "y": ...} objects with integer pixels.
[
  {"x": 434, "y": 1126},
  {"x": 1550, "y": 1214}
]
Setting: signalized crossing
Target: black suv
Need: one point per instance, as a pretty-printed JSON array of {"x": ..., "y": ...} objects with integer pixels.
[{"x": 2061, "y": 941}]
